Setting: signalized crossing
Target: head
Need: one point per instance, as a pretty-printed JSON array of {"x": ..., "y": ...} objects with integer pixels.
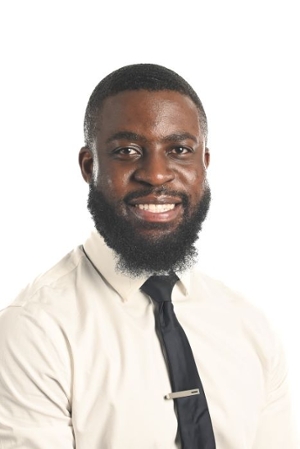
[{"x": 145, "y": 159}]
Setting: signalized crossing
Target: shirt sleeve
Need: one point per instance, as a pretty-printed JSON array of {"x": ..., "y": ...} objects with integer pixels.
[
  {"x": 35, "y": 380},
  {"x": 276, "y": 425}
]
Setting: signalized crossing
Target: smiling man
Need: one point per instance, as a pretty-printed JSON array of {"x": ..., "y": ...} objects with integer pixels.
[
  {"x": 124, "y": 344},
  {"x": 146, "y": 167}
]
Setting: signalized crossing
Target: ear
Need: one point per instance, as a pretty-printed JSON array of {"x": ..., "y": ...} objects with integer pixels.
[
  {"x": 86, "y": 163},
  {"x": 206, "y": 157}
]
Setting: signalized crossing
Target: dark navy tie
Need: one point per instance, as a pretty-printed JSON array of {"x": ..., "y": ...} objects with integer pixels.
[{"x": 194, "y": 423}]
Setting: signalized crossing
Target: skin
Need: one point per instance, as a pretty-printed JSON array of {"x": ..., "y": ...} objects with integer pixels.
[{"x": 148, "y": 140}]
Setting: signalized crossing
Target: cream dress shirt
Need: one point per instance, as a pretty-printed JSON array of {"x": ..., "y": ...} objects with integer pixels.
[{"x": 82, "y": 367}]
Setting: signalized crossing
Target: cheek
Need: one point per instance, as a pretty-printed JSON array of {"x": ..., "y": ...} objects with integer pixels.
[
  {"x": 112, "y": 183},
  {"x": 195, "y": 183},
  {"x": 194, "y": 176}
]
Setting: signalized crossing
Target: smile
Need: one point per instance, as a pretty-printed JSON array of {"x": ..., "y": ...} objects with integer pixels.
[{"x": 156, "y": 208}]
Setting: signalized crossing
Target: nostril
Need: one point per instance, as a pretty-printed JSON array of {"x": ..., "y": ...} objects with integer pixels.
[
  {"x": 157, "y": 176},
  {"x": 154, "y": 171}
]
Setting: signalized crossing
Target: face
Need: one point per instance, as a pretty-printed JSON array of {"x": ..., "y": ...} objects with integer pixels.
[{"x": 149, "y": 162}]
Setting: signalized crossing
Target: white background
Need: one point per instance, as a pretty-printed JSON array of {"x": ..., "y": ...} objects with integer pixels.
[{"x": 242, "y": 57}]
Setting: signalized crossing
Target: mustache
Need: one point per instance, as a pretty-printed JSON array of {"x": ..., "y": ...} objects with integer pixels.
[{"x": 157, "y": 191}]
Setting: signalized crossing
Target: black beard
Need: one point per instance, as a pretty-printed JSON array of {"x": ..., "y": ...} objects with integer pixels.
[{"x": 139, "y": 254}]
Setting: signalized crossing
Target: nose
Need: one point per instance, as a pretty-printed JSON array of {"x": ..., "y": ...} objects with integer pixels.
[{"x": 154, "y": 170}]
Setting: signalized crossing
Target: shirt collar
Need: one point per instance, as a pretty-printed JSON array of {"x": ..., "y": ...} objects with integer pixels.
[{"x": 104, "y": 260}]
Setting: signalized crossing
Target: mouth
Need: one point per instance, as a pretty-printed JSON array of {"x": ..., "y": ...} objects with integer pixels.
[{"x": 156, "y": 209}]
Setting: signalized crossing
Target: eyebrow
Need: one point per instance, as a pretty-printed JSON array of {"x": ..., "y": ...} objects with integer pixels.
[
  {"x": 134, "y": 137},
  {"x": 128, "y": 135},
  {"x": 179, "y": 137}
]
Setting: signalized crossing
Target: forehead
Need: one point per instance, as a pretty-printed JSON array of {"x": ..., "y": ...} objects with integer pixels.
[{"x": 144, "y": 112}]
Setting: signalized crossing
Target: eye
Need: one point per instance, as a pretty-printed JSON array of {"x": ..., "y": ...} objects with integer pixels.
[
  {"x": 127, "y": 152},
  {"x": 180, "y": 151}
]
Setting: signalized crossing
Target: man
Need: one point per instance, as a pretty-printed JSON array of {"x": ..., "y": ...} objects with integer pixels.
[{"x": 85, "y": 360}]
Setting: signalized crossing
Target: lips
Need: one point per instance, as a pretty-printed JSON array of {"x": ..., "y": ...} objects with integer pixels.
[{"x": 156, "y": 208}]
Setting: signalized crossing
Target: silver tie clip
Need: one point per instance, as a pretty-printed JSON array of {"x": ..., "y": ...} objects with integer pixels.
[{"x": 182, "y": 394}]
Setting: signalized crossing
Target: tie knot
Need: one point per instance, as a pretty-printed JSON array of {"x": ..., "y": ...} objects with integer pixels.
[{"x": 159, "y": 288}]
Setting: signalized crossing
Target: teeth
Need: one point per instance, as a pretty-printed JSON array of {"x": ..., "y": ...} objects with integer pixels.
[{"x": 156, "y": 208}]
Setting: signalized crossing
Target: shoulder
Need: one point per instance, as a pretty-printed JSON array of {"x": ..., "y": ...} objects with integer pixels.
[
  {"x": 55, "y": 287},
  {"x": 234, "y": 307},
  {"x": 219, "y": 293},
  {"x": 43, "y": 308}
]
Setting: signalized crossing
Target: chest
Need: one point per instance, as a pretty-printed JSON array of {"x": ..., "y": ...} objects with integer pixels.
[{"x": 120, "y": 377}]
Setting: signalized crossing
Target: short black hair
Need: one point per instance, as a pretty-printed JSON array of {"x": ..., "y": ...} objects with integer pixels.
[{"x": 151, "y": 77}]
